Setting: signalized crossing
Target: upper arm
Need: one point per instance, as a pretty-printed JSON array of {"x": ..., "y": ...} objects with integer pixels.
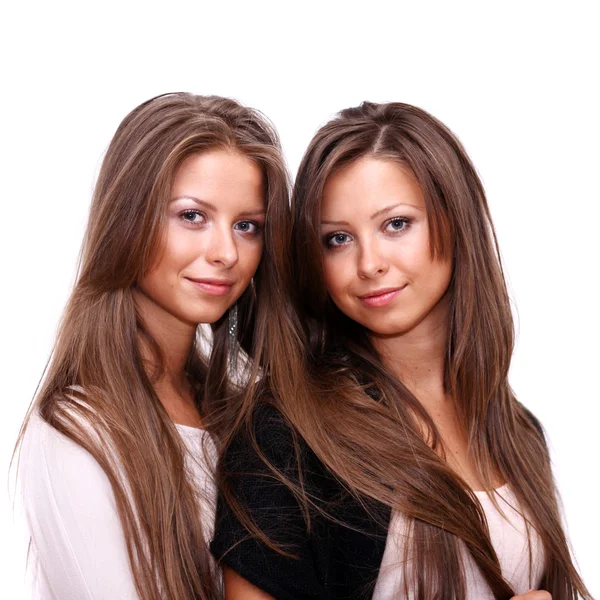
[
  {"x": 238, "y": 588},
  {"x": 73, "y": 520}
]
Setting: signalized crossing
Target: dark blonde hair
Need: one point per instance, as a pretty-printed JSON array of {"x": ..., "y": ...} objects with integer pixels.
[
  {"x": 97, "y": 390},
  {"x": 333, "y": 388}
]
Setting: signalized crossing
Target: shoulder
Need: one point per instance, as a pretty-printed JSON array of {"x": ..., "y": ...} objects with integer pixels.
[
  {"x": 267, "y": 421},
  {"x": 534, "y": 421},
  {"x": 267, "y": 431},
  {"x": 271, "y": 429},
  {"x": 50, "y": 461},
  {"x": 63, "y": 461},
  {"x": 42, "y": 442},
  {"x": 268, "y": 446}
]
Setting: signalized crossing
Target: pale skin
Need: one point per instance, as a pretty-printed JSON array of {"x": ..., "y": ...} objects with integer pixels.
[
  {"x": 211, "y": 249},
  {"x": 379, "y": 271},
  {"x": 376, "y": 237}
]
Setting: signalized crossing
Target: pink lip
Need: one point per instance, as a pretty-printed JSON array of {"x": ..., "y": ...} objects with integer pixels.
[
  {"x": 214, "y": 287},
  {"x": 381, "y": 297}
]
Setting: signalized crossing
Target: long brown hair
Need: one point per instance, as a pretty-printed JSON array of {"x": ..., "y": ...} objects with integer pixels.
[
  {"x": 97, "y": 390},
  {"x": 332, "y": 386}
]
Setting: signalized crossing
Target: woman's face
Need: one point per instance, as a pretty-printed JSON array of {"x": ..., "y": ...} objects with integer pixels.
[
  {"x": 213, "y": 240},
  {"x": 378, "y": 265}
]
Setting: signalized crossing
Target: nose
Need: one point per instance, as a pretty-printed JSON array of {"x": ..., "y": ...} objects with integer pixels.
[
  {"x": 371, "y": 262},
  {"x": 222, "y": 249}
]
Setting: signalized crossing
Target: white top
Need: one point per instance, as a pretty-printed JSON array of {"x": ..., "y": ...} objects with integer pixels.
[
  {"x": 78, "y": 549},
  {"x": 508, "y": 536}
]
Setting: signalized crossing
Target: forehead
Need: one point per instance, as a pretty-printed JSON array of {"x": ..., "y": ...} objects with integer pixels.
[
  {"x": 219, "y": 175},
  {"x": 368, "y": 184}
]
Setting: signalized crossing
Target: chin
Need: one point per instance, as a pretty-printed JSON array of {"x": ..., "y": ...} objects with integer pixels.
[
  {"x": 387, "y": 329},
  {"x": 386, "y": 332},
  {"x": 206, "y": 317}
]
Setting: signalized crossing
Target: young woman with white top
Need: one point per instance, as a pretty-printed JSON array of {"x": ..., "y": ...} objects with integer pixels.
[
  {"x": 117, "y": 455},
  {"x": 400, "y": 462}
]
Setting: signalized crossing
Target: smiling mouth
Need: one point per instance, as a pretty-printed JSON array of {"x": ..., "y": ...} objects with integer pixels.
[
  {"x": 213, "y": 287},
  {"x": 381, "y": 297}
]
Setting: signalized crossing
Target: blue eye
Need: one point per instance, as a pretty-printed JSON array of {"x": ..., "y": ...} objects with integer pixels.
[
  {"x": 194, "y": 217},
  {"x": 247, "y": 227},
  {"x": 336, "y": 240},
  {"x": 397, "y": 224}
]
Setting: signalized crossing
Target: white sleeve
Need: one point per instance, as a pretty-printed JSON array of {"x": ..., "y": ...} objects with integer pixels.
[{"x": 76, "y": 534}]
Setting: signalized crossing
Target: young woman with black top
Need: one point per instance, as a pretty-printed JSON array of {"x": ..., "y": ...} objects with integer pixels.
[{"x": 384, "y": 455}]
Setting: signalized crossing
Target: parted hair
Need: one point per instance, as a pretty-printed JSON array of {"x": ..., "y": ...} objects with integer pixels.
[{"x": 333, "y": 388}]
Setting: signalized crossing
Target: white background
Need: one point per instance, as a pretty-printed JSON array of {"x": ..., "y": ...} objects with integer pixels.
[{"x": 517, "y": 81}]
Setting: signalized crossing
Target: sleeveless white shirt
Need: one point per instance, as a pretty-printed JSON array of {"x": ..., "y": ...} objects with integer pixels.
[{"x": 508, "y": 536}]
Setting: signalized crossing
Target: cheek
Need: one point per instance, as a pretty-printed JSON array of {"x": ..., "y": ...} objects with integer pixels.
[
  {"x": 179, "y": 249},
  {"x": 410, "y": 255},
  {"x": 183, "y": 248},
  {"x": 157, "y": 284},
  {"x": 337, "y": 275},
  {"x": 329, "y": 274},
  {"x": 250, "y": 255},
  {"x": 435, "y": 278}
]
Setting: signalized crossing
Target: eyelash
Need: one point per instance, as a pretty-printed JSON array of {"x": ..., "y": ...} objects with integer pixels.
[
  {"x": 257, "y": 227},
  {"x": 329, "y": 237},
  {"x": 407, "y": 223},
  {"x": 192, "y": 212}
]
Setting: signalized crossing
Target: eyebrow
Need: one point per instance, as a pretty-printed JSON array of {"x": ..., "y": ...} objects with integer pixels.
[
  {"x": 375, "y": 214},
  {"x": 209, "y": 206}
]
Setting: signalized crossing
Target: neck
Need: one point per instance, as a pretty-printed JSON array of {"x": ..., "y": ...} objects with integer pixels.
[
  {"x": 418, "y": 357},
  {"x": 175, "y": 339}
]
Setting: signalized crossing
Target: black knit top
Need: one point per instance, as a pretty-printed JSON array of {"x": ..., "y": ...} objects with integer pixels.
[{"x": 338, "y": 556}]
